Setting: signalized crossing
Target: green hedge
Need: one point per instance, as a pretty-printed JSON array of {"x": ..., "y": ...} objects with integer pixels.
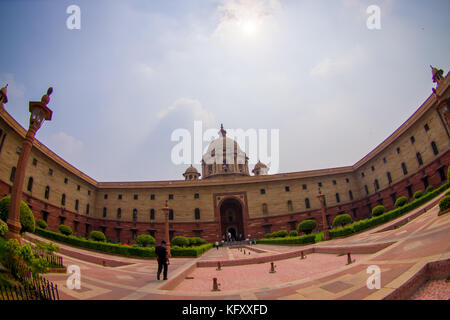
[
  {"x": 379, "y": 210},
  {"x": 310, "y": 238},
  {"x": 65, "y": 230},
  {"x": 42, "y": 224},
  {"x": 444, "y": 204},
  {"x": 418, "y": 194},
  {"x": 119, "y": 248},
  {"x": 191, "y": 251},
  {"x": 400, "y": 202},
  {"x": 388, "y": 216},
  {"x": 97, "y": 236}
]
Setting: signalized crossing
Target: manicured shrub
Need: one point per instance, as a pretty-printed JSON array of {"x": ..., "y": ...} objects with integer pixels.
[
  {"x": 3, "y": 228},
  {"x": 179, "y": 241},
  {"x": 48, "y": 248},
  {"x": 400, "y": 202},
  {"x": 379, "y": 210},
  {"x": 42, "y": 224},
  {"x": 65, "y": 230},
  {"x": 26, "y": 215},
  {"x": 418, "y": 194},
  {"x": 307, "y": 226},
  {"x": 196, "y": 241},
  {"x": 293, "y": 233},
  {"x": 145, "y": 239},
  {"x": 444, "y": 204},
  {"x": 176, "y": 251},
  {"x": 342, "y": 220},
  {"x": 429, "y": 189},
  {"x": 97, "y": 236},
  {"x": 279, "y": 234}
]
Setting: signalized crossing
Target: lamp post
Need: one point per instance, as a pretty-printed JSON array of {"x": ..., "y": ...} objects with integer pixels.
[
  {"x": 166, "y": 210},
  {"x": 39, "y": 112},
  {"x": 324, "y": 220}
]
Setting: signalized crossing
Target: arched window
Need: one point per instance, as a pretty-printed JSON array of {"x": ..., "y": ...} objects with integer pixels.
[
  {"x": 47, "y": 192},
  {"x": 152, "y": 214},
  {"x": 13, "y": 174},
  {"x": 63, "y": 200},
  {"x": 377, "y": 185},
  {"x": 435, "y": 148},
  {"x": 350, "y": 194},
  {"x": 135, "y": 213},
  {"x": 30, "y": 184},
  {"x": 265, "y": 209},
  {"x": 419, "y": 158},
  {"x": 290, "y": 207},
  {"x": 87, "y": 209},
  {"x": 77, "y": 202},
  {"x": 338, "y": 198},
  {"x": 119, "y": 213},
  {"x": 405, "y": 171},
  {"x": 104, "y": 212},
  {"x": 389, "y": 177},
  {"x": 197, "y": 214},
  {"x": 307, "y": 204}
]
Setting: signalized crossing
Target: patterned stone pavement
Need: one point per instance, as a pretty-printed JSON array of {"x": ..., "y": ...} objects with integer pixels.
[{"x": 321, "y": 276}]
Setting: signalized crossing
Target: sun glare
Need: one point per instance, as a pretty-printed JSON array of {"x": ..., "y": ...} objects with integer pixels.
[{"x": 249, "y": 27}]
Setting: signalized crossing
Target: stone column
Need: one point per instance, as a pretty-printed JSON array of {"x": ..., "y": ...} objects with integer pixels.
[{"x": 324, "y": 220}]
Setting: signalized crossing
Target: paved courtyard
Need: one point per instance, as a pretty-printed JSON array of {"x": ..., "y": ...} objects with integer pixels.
[{"x": 407, "y": 250}]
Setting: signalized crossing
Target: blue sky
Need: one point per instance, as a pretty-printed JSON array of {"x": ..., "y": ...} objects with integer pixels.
[{"x": 138, "y": 70}]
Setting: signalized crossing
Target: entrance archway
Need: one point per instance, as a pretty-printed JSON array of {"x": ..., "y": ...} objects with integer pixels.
[{"x": 231, "y": 219}]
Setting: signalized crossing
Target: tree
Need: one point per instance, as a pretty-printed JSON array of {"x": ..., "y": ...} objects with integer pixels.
[
  {"x": 26, "y": 215},
  {"x": 307, "y": 226},
  {"x": 342, "y": 220},
  {"x": 145, "y": 240}
]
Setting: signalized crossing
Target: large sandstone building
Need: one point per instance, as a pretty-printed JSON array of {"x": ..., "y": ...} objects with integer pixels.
[{"x": 226, "y": 196}]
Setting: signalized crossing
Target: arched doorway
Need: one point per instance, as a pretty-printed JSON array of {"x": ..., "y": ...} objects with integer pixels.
[{"x": 231, "y": 219}]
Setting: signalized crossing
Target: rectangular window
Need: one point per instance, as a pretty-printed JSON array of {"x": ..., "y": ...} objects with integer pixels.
[
  {"x": 372, "y": 168},
  {"x": 105, "y": 197},
  {"x": 367, "y": 189},
  {"x": 196, "y": 196},
  {"x": 152, "y": 197},
  {"x": 338, "y": 199},
  {"x": 398, "y": 150},
  {"x": 426, "y": 127},
  {"x": 66, "y": 180},
  {"x": 350, "y": 194},
  {"x": 334, "y": 182},
  {"x": 76, "y": 205},
  {"x": 320, "y": 184},
  {"x": 50, "y": 172},
  {"x": 305, "y": 187},
  {"x": 152, "y": 214},
  {"x": 377, "y": 185},
  {"x": 435, "y": 148},
  {"x": 287, "y": 188},
  {"x": 413, "y": 139},
  {"x": 87, "y": 209},
  {"x": 347, "y": 180},
  {"x": 119, "y": 197},
  {"x": 170, "y": 196},
  {"x": 35, "y": 162},
  {"x": 170, "y": 214},
  {"x": 197, "y": 214},
  {"x": 263, "y": 191},
  {"x": 135, "y": 197},
  {"x": 78, "y": 187}
]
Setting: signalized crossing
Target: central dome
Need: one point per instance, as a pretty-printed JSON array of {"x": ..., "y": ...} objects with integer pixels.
[{"x": 224, "y": 157}]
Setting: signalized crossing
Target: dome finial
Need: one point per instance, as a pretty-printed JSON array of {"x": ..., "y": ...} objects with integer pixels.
[{"x": 222, "y": 131}]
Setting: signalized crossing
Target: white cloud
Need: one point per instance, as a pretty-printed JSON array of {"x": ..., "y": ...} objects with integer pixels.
[
  {"x": 328, "y": 66},
  {"x": 144, "y": 70},
  {"x": 193, "y": 106},
  {"x": 66, "y": 145}
]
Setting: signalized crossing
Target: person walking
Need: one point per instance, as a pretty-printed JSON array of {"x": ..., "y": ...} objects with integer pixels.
[{"x": 162, "y": 256}]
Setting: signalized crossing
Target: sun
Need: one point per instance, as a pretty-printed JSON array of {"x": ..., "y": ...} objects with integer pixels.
[{"x": 249, "y": 27}]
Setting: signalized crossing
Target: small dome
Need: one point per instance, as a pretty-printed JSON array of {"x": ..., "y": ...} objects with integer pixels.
[
  {"x": 191, "y": 169},
  {"x": 191, "y": 173},
  {"x": 260, "y": 169}
]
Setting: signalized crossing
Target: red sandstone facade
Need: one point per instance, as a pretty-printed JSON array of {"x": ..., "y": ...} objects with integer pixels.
[{"x": 211, "y": 207}]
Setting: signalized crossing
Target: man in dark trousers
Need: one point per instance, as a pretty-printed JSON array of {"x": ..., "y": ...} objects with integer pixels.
[{"x": 163, "y": 259}]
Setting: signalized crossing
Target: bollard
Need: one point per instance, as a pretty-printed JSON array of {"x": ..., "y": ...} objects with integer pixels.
[
  {"x": 303, "y": 256},
  {"x": 244, "y": 251},
  {"x": 272, "y": 268},
  {"x": 219, "y": 266},
  {"x": 104, "y": 263},
  {"x": 215, "y": 285},
  {"x": 349, "y": 259}
]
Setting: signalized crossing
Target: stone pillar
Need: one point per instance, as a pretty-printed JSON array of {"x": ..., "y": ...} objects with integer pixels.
[{"x": 324, "y": 220}]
